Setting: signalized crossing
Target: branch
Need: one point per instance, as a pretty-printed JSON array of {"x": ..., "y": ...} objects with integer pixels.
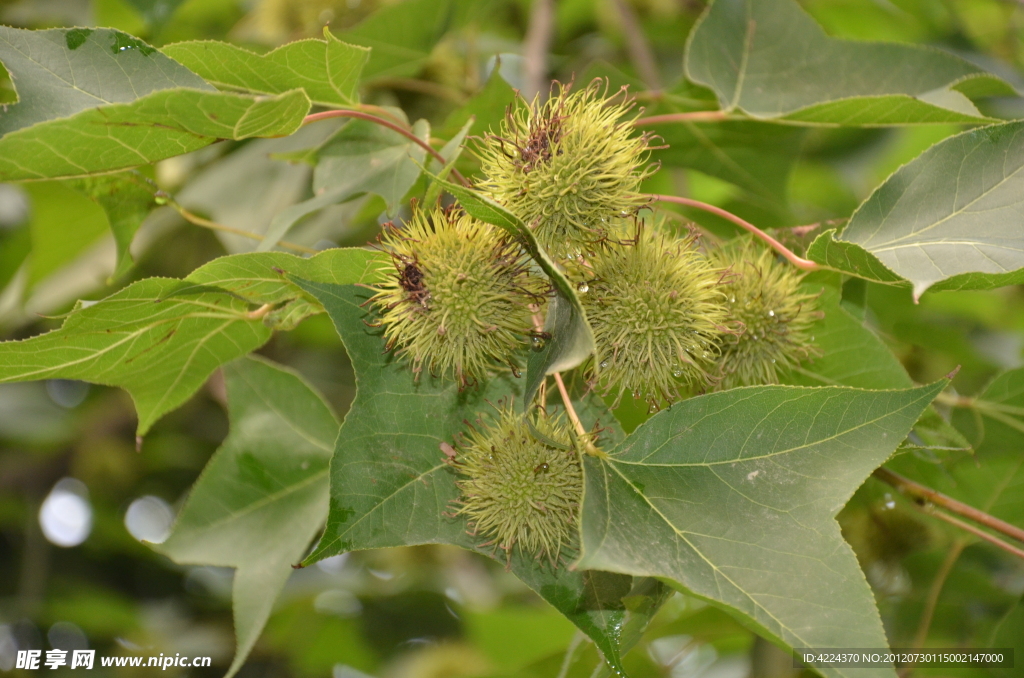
[
  {"x": 639, "y": 49},
  {"x": 799, "y": 262},
  {"x": 926, "y": 495},
  {"x": 325, "y": 115},
  {"x": 214, "y": 226},
  {"x": 536, "y": 46},
  {"x": 691, "y": 116},
  {"x": 967, "y": 527}
]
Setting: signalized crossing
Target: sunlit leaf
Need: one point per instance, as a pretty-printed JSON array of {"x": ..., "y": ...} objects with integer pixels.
[
  {"x": 159, "y": 339},
  {"x": 328, "y": 70},
  {"x": 733, "y": 497}
]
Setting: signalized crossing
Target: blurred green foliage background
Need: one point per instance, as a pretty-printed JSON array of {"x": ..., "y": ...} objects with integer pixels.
[{"x": 434, "y": 611}]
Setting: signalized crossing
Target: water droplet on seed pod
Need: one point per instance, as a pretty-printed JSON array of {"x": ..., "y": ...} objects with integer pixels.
[{"x": 583, "y": 288}]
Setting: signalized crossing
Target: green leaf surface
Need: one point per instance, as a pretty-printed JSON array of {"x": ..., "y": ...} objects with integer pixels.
[
  {"x": 160, "y": 125},
  {"x": 755, "y": 156},
  {"x": 263, "y": 496},
  {"x": 155, "y": 12},
  {"x": 952, "y": 214},
  {"x": 1010, "y": 633},
  {"x": 64, "y": 225},
  {"x": 849, "y": 354},
  {"x": 994, "y": 419},
  {"x": 401, "y": 36},
  {"x": 733, "y": 496},
  {"x": 769, "y": 59},
  {"x": 849, "y": 258},
  {"x": 328, "y": 70},
  {"x": 127, "y": 199},
  {"x": 486, "y": 108},
  {"x": 571, "y": 340},
  {"x": 159, "y": 339},
  {"x": 63, "y": 71},
  {"x": 391, "y": 486},
  {"x": 265, "y": 277},
  {"x": 362, "y": 157}
]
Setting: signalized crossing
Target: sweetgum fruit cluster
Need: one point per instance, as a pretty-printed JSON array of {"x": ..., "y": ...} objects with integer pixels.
[
  {"x": 456, "y": 297},
  {"x": 569, "y": 167},
  {"x": 462, "y": 299},
  {"x": 518, "y": 490}
]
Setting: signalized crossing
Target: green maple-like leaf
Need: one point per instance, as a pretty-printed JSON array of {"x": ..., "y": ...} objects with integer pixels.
[
  {"x": 770, "y": 59},
  {"x": 733, "y": 497},
  {"x": 96, "y": 100},
  {"x": 328, "y": 70},
  {"x": 391, "y": 486},
  {"x": 263, "y": 496},
  {"x": 947, "y": 220}
]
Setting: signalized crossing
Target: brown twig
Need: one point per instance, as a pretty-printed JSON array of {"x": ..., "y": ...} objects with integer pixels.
[
  {"x": 536, "y": 47},
  {"x": 977, "y": 532},
  {"x": 691, "y": 116},
  {"x": 214, "y": 226},
  {"x": 640, "y": 52},
  {"x": 799, "y": 262},
  {"x": 929, "y": 496},
  {"x": 326, "y": 115}
]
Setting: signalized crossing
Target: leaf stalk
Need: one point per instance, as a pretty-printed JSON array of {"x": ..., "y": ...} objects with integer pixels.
[
  {"x": 326, "y": 115},
  {"x": 790, "y": 256},
  {"x": 925, "y": 496}
]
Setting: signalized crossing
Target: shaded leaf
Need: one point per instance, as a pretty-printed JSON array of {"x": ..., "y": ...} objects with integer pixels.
[
  {"x": 486, "y": 108},
  {"x": 849, "y": 354},
  {"x": 263, "y": 496},
  {"x": 733, "y": 496},
  {"x": 401, "y": 36},
  {"x": 755, "y": 156},
  {"x": 950, "y": 216},
  {"x": 246, "y": 188},
  {"x": 155, "y": 12},
  {"x": 328, "y": 70},
  {"x": 64, "y": 225},
  {"x": 127, "y": 198},
  {"x": 361, "y": 158},
  {"x": 391, "y": 486},
  {"x": 159, "y": 339},
  {"x": 769, "y": 59},
  {"x": 63, "y": 71}
]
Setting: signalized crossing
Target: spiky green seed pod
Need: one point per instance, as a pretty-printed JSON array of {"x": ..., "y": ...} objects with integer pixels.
[
  {"x": 657, "y": 311},
  {"x": 568, "y": 166},
  {"x": 763, "y": 296},
  {"x": 456, "y": 295},
  {"x": 518, "y": 492}
]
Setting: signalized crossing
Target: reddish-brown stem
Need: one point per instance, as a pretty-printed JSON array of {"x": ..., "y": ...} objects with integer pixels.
[
  {"x": 691, "y": 116},
  {"x": 977, "y": 532},
  {"x": 927, "y": 494},
  {"x": 326, "y": 115},
  {"x": 799, "y": 262}
]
